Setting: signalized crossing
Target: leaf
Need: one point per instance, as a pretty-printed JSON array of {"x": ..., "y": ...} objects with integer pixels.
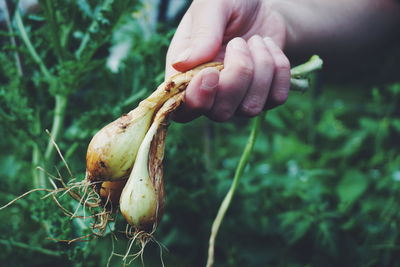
[
  {"x": 295, "y": 225},
  {"x": 290, "y": 147},
  {"x": 353, "y": 144},
  {"x": 351, "y": 187},
  {"x": 396, "y": 124},
  {"x": 330, "y": 126}
]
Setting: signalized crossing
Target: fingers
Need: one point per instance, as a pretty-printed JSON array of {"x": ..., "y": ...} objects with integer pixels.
[
  {"x": 256, "y": 75},
  {"x": 199, "y": 96},
  {"x": 254, "y": 101},
  {"x": 194, "y": 43},
  {"x": 281, "y": 82},
  {"x": 235, "y": 78},
  {"x": 271, "y": 80}
]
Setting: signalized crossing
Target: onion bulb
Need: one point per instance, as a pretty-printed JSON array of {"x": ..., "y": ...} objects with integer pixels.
[
  {"x": 142, "y": 198},
  {"x": 112, "y": 151}
]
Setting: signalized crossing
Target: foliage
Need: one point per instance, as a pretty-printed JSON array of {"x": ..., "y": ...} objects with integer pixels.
[{"x": 322, "y": 187}]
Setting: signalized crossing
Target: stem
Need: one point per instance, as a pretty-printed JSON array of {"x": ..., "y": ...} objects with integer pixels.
[
  {"x": 58, "y": 118},
  {"x": 299, "y": 82},
  {"x": 300, "y": 85},
  {"x": 313, "y": 64},
  {"x": 12, "y": 40},
  {"x": 228, "y": 198},
  {"x": 30, "y": 247},
  {"x": 82, "y": 46},
  {"x": 39, "y": 181},
  {"x": 30, "y": 47},
  {"x": 299, "y": 75},
  {"x": 52, "y": 22}
]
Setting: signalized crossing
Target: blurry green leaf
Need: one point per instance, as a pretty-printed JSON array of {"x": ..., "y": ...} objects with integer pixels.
[
  {"x": 369, "y": 124},
  {"x": 9, "y": 167},
  {"x": 295, "y": 225},
  {"x": 395, "y": 89},
  {"x": 330, "y": 126},
  {"x": 351, "y": 187},
  {"x": 290, "y": 147},
  {"x": 326, "y": 236},
  {"x": 396, "y": 124},
  {"x": 273, "y": 119},
  {"x": 353, "y": 144}
]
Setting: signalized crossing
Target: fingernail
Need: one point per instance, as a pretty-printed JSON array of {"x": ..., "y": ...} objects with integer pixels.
[
  {"x": 238, "y": 44},
  {"x": 184, "y": 56},
  {"x": 210, "y": 79}
]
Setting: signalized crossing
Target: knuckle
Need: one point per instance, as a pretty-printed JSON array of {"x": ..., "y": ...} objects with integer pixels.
[
  {"x": 245, "y": 68},
  {"x": 221, "y": 115},
  {"x": 251, "y": 110}
]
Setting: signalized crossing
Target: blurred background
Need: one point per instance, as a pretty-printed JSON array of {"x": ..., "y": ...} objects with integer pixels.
[{"x": 321, "y": 189}]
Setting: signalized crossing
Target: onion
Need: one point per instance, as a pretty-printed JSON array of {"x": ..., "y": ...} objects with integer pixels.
[
  {"x": 112, "y": 151},
  {"x": 142, "y": 198},
  {"x": 133, "y": 146}
]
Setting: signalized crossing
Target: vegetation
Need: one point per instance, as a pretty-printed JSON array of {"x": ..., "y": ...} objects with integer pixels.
[{"x": 321, "y": 188}]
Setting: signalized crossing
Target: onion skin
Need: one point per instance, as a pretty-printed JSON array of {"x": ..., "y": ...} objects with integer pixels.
[
  {"x": 110, "y": 191},
  {"x": 142, "y": 199},
  {"x": 112, "y": 151}
]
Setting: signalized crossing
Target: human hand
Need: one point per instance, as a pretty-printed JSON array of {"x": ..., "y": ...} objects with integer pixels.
[{"x": 256, "y": 72}]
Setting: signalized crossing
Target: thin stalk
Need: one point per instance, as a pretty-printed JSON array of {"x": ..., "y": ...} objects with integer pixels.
[
  {"x": 39, "y": 180},
  {"x": 52, "y": 22},
  {"x": 228, "y": 198},
  {"x": 30, "y": 47},
  {"x": 35, "y": 248},
  {"x": 300, "y": 74},
  {"x": 299, "y": 82},
  {"x": 60, "y": 100},
  {"x": 313, "y": 64},
  {"x": 82, "y": 46},
  {"x": 12, "y": 40},
  {"x": 58, "y": 119}
]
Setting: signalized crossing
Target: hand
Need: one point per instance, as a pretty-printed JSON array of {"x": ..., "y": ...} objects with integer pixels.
[{"x": 256, "y": 72}]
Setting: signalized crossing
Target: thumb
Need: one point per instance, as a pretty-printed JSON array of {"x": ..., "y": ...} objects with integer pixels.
[{"x": 208, "y": 20}]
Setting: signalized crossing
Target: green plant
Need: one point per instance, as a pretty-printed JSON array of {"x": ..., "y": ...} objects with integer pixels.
[{"x": 322, "y": 188}]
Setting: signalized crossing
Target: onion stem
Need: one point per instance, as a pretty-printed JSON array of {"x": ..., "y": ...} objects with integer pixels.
[{"x": 228, "y": 198}]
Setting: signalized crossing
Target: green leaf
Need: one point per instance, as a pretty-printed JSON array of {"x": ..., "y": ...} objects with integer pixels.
[
  {"x": 295, "y": 225},
  {"x": 330, "y": 126},
  {"x": 351, "y": 187}
]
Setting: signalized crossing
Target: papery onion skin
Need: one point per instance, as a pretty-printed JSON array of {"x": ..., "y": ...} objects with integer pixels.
[
  {"x": 112, "y": 151},
  {"x": 142, "y": 198},
  {"x": 110, "y": 191}
]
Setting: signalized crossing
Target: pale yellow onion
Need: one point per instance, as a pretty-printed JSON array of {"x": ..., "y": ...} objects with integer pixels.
[{"x": 142, "y": 198}]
